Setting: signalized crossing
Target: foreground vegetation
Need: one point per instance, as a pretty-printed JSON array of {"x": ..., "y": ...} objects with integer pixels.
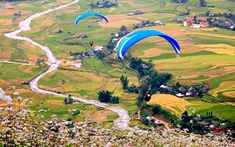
[{"x": 20, "y": 128}]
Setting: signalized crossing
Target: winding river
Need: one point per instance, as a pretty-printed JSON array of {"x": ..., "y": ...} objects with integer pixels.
[{"x": 121, "y": 122}]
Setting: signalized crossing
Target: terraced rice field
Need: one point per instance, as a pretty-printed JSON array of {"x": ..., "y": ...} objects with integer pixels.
[{"x": 170, "y": 102}]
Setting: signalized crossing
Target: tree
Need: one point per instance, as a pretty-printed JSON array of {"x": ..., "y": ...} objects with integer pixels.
[
  {"x": 185, "y": 117},
  {"x": 195, "y": 19},
  {"x": 65, "y": 100},
  {"x": 123, "y": 28},
  {"x": 39, "y": 62},
  {"x": 202, "y": 3},
  {"x": 114, "y": 100},
  {"x": 100, "y": 55},
  {"x": 70, "y": 99},
  {"x": 124, "y": 81},
  {"x": 104, "y": 96}
]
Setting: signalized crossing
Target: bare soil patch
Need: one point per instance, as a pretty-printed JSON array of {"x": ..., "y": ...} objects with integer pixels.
[
  {"x": 7, "y": 11},
  {"x": 101, "y": 116},
  {"x": 6, "y": 54},
  {"x": 6, "y": 22}
]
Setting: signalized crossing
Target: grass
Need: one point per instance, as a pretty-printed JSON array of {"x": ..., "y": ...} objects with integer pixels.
[
  {"x": 14, "y": 71},
  {"x": 220, "y": 110},
  {"x": 111, "y": 118},
  {"x": 138, "y": 123},
  {"x": 129, "y": 105},
  {"x": 55, "y": 105}
]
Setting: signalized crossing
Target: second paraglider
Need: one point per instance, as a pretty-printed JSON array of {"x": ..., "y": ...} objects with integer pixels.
[
  {"x": 80, "y": 17},
  {"x": 131, "y": 39}
]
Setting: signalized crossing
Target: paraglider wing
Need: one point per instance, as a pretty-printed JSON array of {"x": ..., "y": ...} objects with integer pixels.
[
  {"x": 137, "y": 36},
  {"x": 89, "y": 14}
]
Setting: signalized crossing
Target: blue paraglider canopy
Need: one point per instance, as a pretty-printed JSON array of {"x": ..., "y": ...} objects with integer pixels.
[
  {"x": 139, "y": 35},
  {"x": 89, "y": 14}
]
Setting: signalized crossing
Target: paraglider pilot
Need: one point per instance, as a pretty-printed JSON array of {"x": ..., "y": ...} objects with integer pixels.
[
  {"x": 147, "y": 96},
  {"x": 91, "y": 43}
]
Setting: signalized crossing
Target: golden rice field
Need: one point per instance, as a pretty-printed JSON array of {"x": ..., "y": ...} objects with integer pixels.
[{"x": 170, "y": 102}]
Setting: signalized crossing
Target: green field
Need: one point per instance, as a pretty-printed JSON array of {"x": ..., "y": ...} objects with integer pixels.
[{"x": 206, "y": 56}]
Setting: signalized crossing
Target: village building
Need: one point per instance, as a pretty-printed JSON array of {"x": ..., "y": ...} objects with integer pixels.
[
  {"x": 91, "y": 53},
  {"x": 180, "y": 95},
  {"x": 115, "y": 40},
  {"x": 163, "y": 86},
  {"x": 158, "y": 92},
  {"x": 82, "y": 36},
  {"x": 124, "y": 32},
  {"x": 181, "y": 89},
  {"x": 144, "y": 66},
  {"x": 99, "y": 48},
  {"x": 200, "y": 21},
  {"x": 150, "y": 119},
  {"x": 158, "y": 22},
  {"x": 158, "y": 122},
  {"x": 138, "y": 12},
  {"x": 205, "y": 89},
  {"x": 191, "y": 92}
]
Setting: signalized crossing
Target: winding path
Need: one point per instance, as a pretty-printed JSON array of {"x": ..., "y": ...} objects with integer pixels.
[{"x": 122, "y": 121}]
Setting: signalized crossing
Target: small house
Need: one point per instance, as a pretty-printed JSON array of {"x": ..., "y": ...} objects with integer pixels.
[
  {"x": 163, "y": 86},
  {"x": 196, "y": 26},
  {"x": 99, "y": 48},
  {"x": 124, "y": 32},
  {"x": 150, "y": 119},
  {"x": 197, "y": 118},
  {"x": 191, "y": 92},
  {"x": 158, "y": 92},
  {"x": 82, "y": 36},
  {"x": 115, "y": 40},
  {"x": 169, "y": 89},
  {"x": 90, "y": 53},
  {"x": 205, "y": 89},
  {"x": 232, "y": 26},
  {"x": 180, "y": 95},
  {"x": 181, "y": 89},
  {"x": 149, "y": 25},
  {"x": 138, "y": 12},
  {"x": 144, "y": 66},
  {"x": 158, "y": 22},
  {"x": 158, "y": 122}
]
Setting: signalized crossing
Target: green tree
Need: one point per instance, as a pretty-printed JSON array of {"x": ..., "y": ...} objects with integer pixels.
[
  {"x": 114, "y": 100},
  {"x": 124, "y": 81},
  {"x": 100, "y": 55},
  {"x": 123, "y": 28},
  {"x": 65, "y": 100},
  {"x": 104, "y": 96},
  {"x": 195, "y": 19}
]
